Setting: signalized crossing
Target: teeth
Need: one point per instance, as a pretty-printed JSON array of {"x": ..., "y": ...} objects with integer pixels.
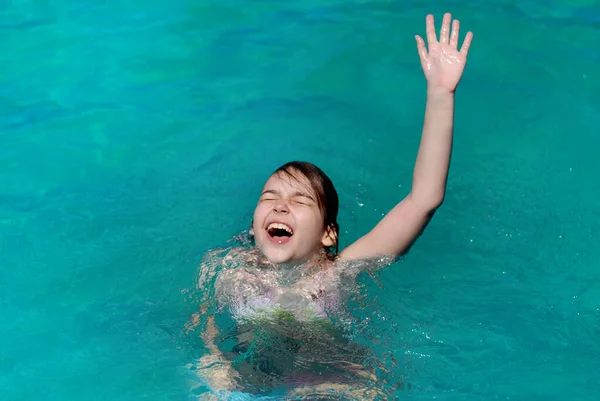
[{"x": 280, "y": 226}]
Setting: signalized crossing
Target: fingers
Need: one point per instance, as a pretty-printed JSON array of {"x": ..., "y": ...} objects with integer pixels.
[
  {"x": 430, "y": 30},
  {"x": 445, "y": 28},
  {"x": 464, "y": 50},
  {"x": 421, "y": 48},
  {"x": 454, "y": 34},
  {"x": 446, "y": 37}
]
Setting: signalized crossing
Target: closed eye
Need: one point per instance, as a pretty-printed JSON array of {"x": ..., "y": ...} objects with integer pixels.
[
  {"x": 299, "y": 197},
  {"x": 302, "y": 200}
]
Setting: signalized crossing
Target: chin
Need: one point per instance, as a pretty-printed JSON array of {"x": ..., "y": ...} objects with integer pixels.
[{"x": 277, "y": 256}]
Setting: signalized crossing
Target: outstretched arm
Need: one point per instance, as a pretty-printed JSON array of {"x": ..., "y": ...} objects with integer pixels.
[{"x": 443, "y": 66}]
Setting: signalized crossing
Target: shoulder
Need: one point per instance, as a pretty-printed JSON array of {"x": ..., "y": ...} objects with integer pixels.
[
  {"x": 353, "y": 267},
  {"x": 221, "y": 262},
  {"x": 239, "y": 257},
  {"x": 238, "y": 263}
]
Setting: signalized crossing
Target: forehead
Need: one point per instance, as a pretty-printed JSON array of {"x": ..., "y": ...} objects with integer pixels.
[{"x": 295, "y": 181}]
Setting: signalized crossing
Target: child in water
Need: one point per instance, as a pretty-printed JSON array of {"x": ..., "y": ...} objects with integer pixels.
[{"x": 296, "y": 234}]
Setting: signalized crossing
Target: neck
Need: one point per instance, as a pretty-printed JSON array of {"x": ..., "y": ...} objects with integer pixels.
[{"x": 317, "y": 261}]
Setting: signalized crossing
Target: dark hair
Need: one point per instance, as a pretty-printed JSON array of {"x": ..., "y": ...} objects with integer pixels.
[{"x": 326, "y": 195}]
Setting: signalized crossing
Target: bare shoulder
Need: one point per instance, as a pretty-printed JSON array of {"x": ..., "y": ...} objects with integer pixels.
[
  {"x": 222, "y": 262},
  {"x": 353, "y": 267},
  {"x": 237, "y": 264},
  {"x": 239, "y": 256}
]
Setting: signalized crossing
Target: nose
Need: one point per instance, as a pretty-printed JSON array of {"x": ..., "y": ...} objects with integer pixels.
[{"x": 281, "y": 207}]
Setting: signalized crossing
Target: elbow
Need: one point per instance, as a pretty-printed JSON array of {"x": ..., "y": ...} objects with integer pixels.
[
  {"x": 436, "y": 202},
  {"x": 428, "y": 202}
]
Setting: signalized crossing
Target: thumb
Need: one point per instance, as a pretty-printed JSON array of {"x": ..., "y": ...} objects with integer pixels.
[{"x": 421, "y": 48}]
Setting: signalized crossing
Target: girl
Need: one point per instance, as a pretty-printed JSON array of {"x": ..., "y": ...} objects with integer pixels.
[{"x": 282, "y": 290}]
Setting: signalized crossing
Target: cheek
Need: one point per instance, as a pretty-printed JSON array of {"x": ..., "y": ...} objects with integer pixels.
[
  {"x": 311, "y": 221},
  {"x": 260, "y": 211},
  {"x": 258, "y": 216}
]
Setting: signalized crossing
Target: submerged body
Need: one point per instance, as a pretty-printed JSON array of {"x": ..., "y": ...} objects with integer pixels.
[
  {"x": 288, "y": 325},
  {"x": 251, "y": 287}
]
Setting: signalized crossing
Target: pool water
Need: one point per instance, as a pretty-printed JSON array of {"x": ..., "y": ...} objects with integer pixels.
[{"x": 137, "y": 134}]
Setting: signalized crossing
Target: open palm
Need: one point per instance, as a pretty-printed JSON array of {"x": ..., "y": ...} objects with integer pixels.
[{"x": 443, "y": 64}]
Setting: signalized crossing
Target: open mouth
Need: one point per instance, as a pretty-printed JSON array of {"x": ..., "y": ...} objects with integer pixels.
[{"x": 279, "y": 233}]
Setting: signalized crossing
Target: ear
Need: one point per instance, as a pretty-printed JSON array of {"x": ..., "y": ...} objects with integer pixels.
[
  {"x": 251, "y": 229},
  {"x": 329, "y": 237}
]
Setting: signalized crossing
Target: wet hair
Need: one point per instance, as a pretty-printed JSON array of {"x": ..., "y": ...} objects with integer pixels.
[{"x": 325, "y": 193}]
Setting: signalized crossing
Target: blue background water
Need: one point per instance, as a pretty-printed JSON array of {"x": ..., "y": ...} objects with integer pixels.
[{"x": 136, "y": 134}]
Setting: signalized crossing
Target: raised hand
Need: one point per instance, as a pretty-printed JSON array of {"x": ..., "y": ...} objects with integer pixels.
[{"x": 443, "y": 64}]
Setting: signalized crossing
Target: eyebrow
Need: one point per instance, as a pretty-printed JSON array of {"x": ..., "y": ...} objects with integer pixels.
[{"x": 297, "y": 193}]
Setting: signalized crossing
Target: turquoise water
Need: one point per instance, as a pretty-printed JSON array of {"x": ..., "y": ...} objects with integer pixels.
[{"x": 136, "y": 135}]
